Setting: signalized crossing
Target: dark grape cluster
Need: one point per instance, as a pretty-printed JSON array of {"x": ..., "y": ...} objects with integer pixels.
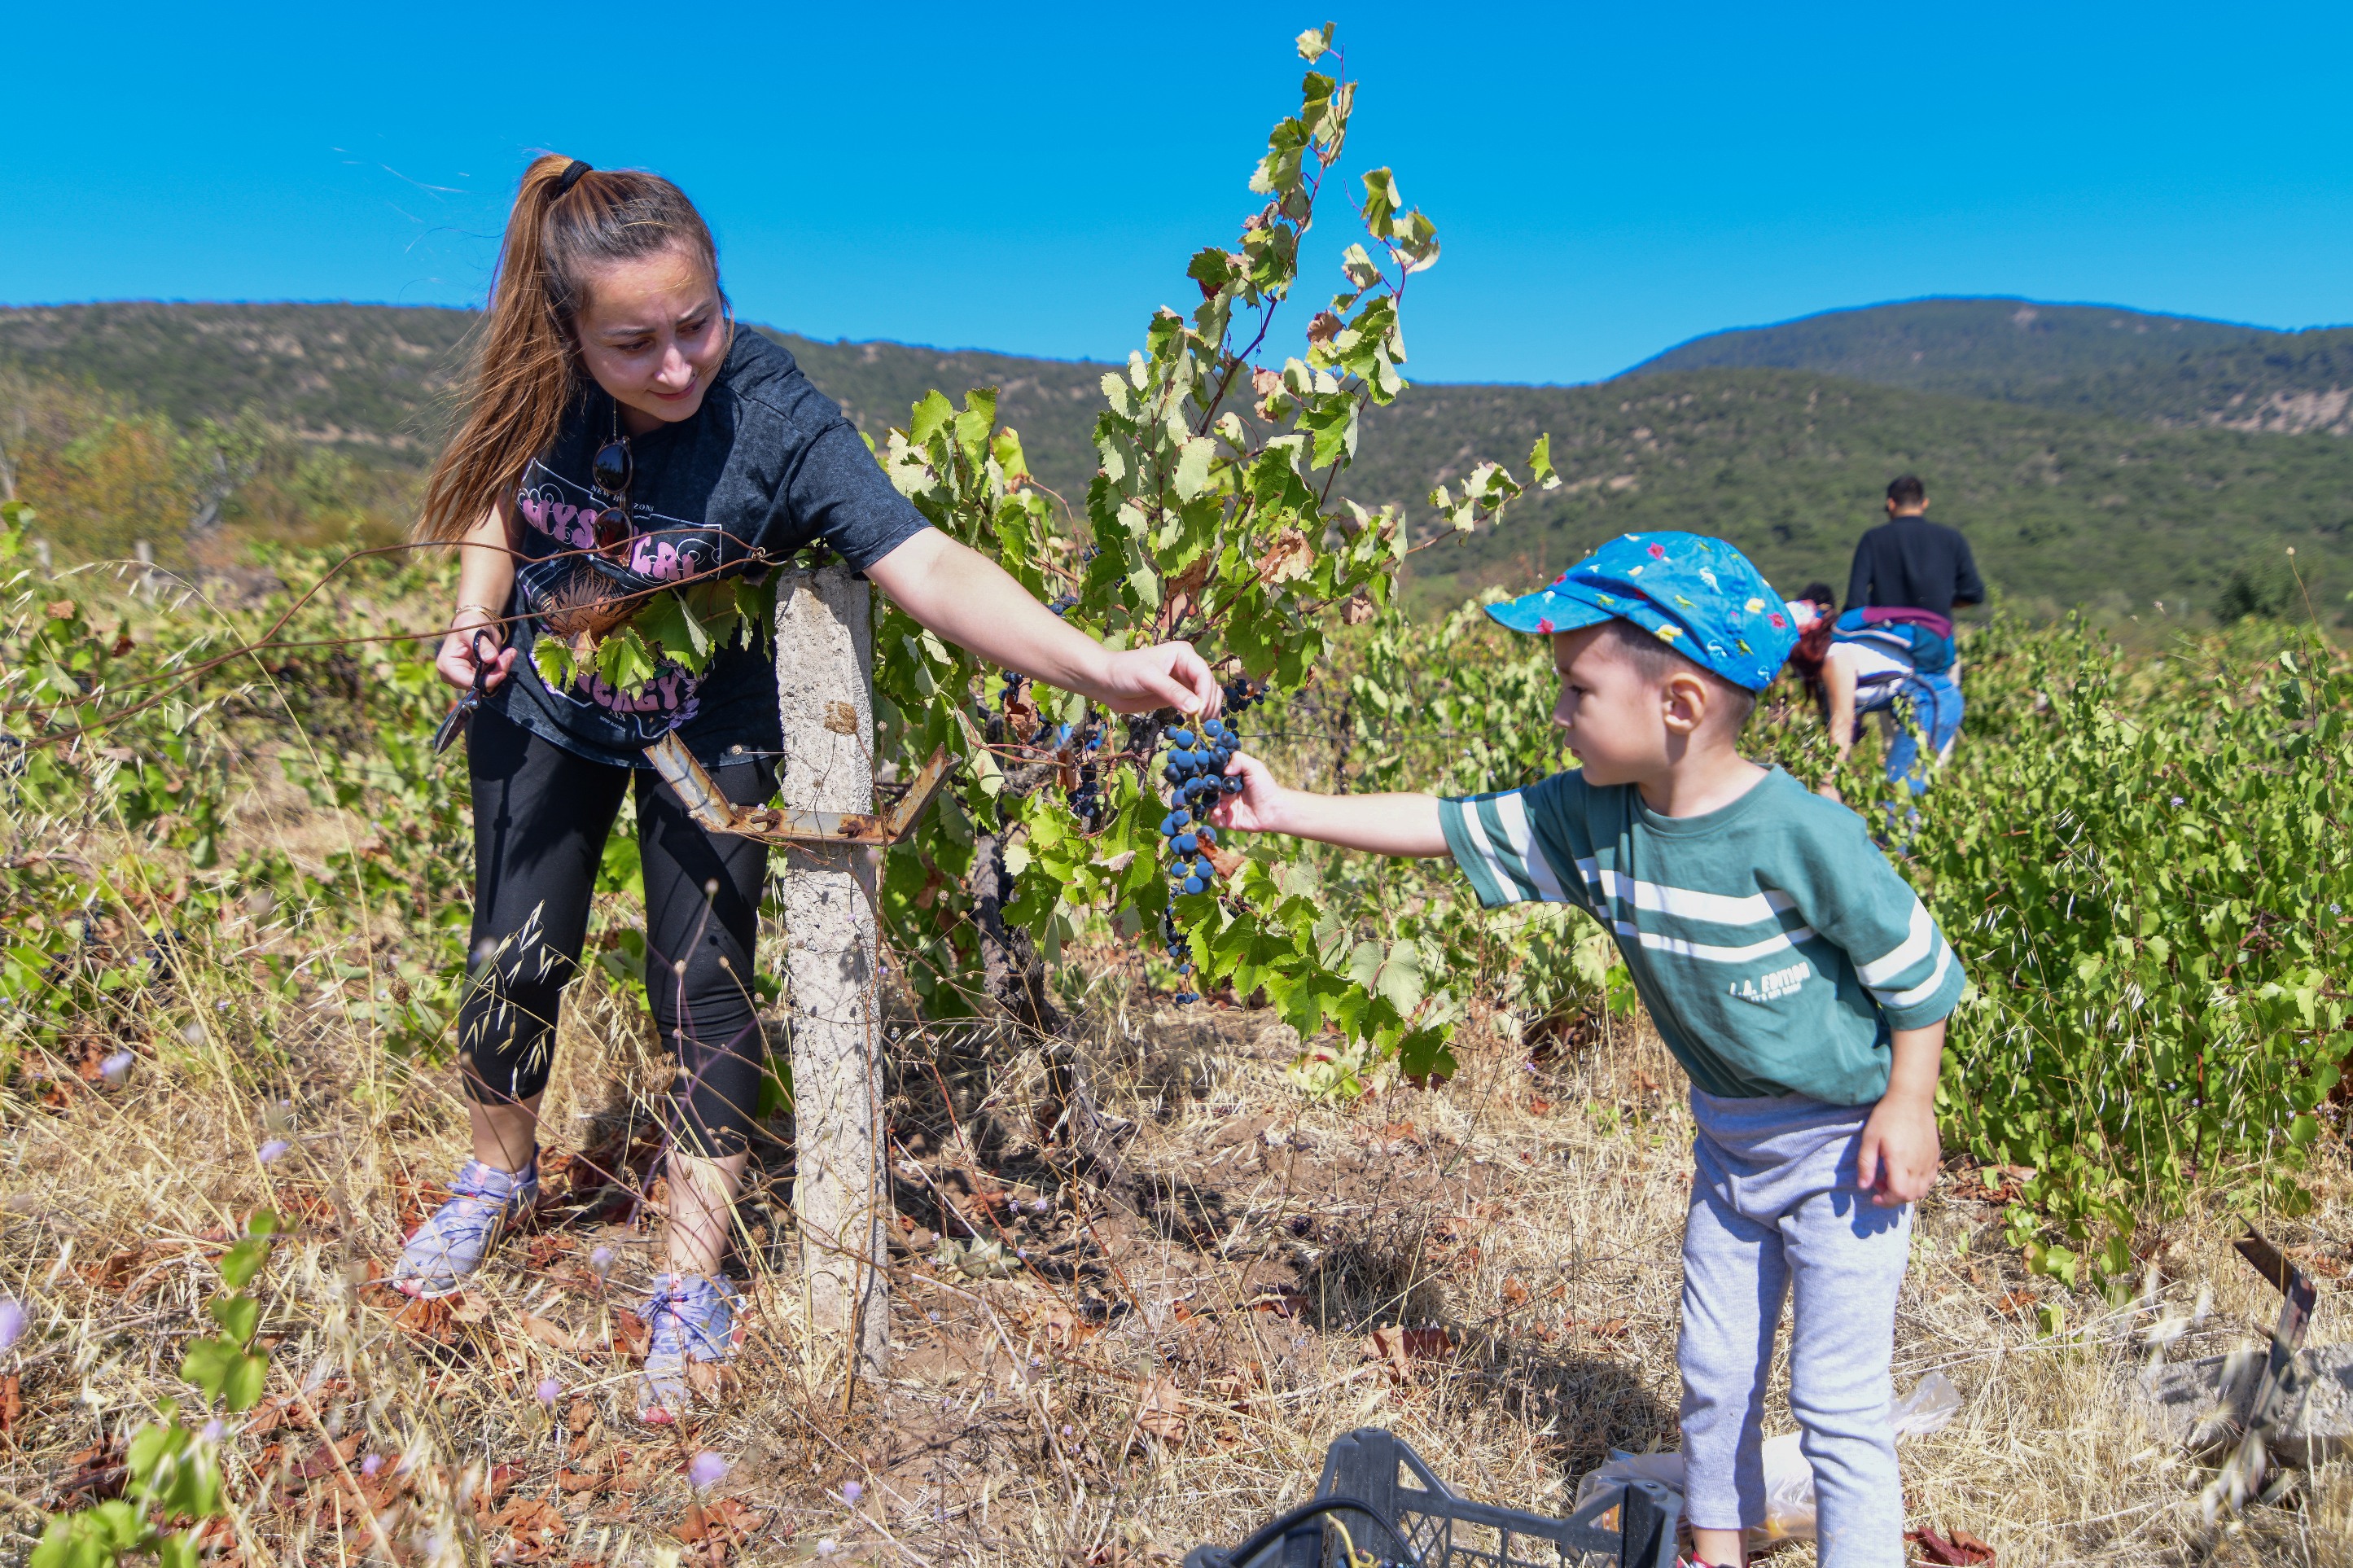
[
  {"x": 1086, "y": 799},
  {"x": 1196, "y": 769},
  {"x": 1242, "y": 694},
  {"x": 1010, "y": 692}
]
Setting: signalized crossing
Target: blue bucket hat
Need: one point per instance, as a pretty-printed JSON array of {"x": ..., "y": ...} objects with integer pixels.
[{"x": 1698, "y": 595}]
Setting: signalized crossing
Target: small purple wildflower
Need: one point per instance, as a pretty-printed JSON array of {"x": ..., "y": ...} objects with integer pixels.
[
  {"x": 852, "y": 1491},
  {"x": 370, "y": 1464},
  {"x": 116, "y": 1068},
  {"x": 600, "y": 1262},
  {"x": 708, "y": 1470},
  {"x": 12, "y": 1323},
  {"x": 2176, "y": 800},
  {"x": 212, "y": 1431},
  {"x": 549, "y": 1390},
  {"x": 268, "y": 1153}
]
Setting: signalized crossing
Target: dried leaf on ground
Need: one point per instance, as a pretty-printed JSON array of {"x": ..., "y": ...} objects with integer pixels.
[
  {"x": 425, "y": 1320},
  {"x": 1950, "y": 1549},
  {"x": 1403, "y": 1347},
  {"x": 723, "y": 1519},
  {"x": 553, "y": 1334},
  {"x": 537, "y": 1530},
  {"x": 1162, "y": 1412},
  {"x": 328, "y": 1457},
  {"x": 92, "y": 1475}
]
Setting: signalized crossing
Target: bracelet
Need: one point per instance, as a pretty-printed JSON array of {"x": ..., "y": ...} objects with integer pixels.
[{"x": 486, "y": 610}]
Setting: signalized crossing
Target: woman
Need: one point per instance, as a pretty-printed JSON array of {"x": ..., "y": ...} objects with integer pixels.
[
  {"x": 1898, "y": 664},
  {"x": 622, "y": 436}
]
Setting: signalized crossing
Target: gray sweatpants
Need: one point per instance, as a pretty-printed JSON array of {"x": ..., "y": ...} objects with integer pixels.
[{"x": 1775, "y": 1211}]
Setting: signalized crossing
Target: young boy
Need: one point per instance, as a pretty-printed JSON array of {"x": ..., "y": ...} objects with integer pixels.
[{"x": 1788, "y": 968}]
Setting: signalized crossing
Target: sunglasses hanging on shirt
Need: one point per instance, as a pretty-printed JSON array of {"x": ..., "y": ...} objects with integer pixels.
[{"x": 611, "y": 471}]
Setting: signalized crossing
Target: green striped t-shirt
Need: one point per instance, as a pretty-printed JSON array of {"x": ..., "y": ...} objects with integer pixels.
[{"x": 1772, "y": 942}]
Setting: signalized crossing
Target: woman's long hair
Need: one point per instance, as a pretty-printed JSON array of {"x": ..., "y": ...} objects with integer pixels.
[{"x": 526, "y": 368}]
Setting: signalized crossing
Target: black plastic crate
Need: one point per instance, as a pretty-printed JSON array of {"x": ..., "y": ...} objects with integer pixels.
[{"x": 1395, "y": 1507}]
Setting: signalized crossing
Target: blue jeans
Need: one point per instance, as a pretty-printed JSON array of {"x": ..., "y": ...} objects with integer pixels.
[{"x": 1915, "y": 705}]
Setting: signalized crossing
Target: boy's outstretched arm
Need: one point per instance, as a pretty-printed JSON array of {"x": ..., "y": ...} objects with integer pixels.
[
  {"x": 1401, "y": 825},
  {"x": 1897, "y": 1162}
]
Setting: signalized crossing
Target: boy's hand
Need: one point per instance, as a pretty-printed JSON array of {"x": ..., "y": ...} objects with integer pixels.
[
  {"x": 1898, "y": 1159},
  {"x": 1258, "y": 808},
  {"x": 1404, "y": 825}
]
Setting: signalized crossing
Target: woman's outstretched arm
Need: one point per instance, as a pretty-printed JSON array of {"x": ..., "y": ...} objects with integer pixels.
[{"x": 975, "y": 603}]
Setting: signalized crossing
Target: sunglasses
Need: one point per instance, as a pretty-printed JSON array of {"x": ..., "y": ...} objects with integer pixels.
[{"x": 611, "y": 471}]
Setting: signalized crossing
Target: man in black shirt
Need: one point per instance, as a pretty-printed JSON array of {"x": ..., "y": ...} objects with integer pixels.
[{"x": 1909, "y": 563}]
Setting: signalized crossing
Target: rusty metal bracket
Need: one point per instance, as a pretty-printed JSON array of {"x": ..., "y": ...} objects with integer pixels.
[{"x": 774, "y": 824}]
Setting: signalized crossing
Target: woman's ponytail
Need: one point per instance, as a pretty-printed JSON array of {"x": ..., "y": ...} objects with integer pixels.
[{"x": 567, "y": 219}]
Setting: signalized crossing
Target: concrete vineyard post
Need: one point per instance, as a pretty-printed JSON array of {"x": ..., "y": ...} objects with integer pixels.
[{"x": 824, "y": 652}]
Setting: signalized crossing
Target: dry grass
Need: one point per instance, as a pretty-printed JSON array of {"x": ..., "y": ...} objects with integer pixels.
[{"x": 1166, "y": 1366}]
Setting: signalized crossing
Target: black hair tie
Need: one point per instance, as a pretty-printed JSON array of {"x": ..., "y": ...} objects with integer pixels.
[{"x": 571, "y": 176}]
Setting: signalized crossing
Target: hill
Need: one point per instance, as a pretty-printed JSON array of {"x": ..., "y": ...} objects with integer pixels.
[
  {"x": 376, "y": 379},
  {"x": 2085, "y": 359},
  {"x": 2062, "y": 509},
  {"x": 2064, "y": 505}
]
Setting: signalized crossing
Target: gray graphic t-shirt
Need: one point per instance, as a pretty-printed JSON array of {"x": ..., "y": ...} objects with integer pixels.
[{"x": 765, "y": 467}]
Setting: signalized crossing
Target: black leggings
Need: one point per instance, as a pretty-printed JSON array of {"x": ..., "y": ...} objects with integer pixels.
[{"x": 540, "y": 819}]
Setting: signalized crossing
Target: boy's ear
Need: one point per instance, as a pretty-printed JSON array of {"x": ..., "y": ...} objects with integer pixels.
[{"x": 1684, "y": 700}]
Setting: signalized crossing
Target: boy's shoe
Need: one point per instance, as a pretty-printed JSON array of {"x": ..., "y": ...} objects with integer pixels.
[
  {"x": 691, "y": 1318},
  {"x": 452, "y": 1243}
]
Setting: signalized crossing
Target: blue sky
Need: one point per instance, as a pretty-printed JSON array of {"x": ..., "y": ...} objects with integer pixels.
[{"x": 1607, "y": 181}]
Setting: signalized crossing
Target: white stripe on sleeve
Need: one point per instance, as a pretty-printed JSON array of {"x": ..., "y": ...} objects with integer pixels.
[
  {"x": 1509, "y": 879},
  {"x": 1514, "y": 809},
  {"x": 1908, "y": 952},
  {"x": 1927, "y": 988}
]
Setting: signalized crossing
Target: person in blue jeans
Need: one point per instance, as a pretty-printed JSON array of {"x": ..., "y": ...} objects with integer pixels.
[
  {"x": 1855, "y": 665},
  {"x": 1785, "y": 961}
]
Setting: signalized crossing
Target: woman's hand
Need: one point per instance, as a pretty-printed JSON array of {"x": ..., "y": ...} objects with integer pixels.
[
  {"x": 459, "y": 653},
  {"x": 1169, "y": 675}
]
